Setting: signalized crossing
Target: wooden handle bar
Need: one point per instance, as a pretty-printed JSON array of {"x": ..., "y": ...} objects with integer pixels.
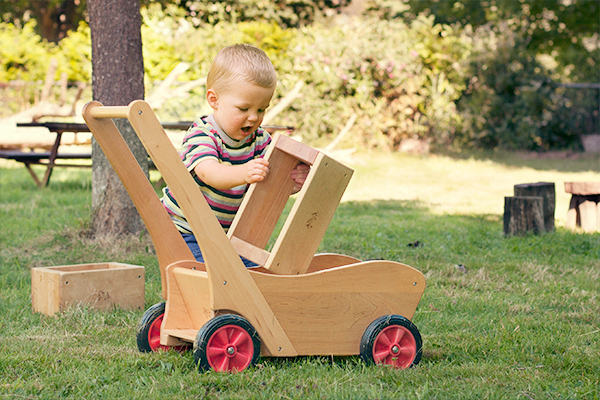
[{"x": 110, "y": 112}]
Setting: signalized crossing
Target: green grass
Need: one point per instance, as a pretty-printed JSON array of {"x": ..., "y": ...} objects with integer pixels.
[{"x": 522, "y": 322}]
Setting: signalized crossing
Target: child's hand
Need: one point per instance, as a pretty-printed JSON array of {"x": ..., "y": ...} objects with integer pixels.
[
  {"x": 299, "y": 175},
  {"x": 256, "y": 170}
]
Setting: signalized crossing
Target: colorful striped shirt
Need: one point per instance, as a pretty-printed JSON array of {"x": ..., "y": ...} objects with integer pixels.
[{"x": 204, "y": 141}]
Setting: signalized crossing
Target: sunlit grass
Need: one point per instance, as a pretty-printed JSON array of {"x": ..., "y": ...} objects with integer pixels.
[{"x": 473, "y": 185}]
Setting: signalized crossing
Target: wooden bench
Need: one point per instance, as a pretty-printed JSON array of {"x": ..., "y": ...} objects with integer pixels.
[
  {"x": 45, "y": 158},
  {"x": 49, "y": 158},
  {"x": 584, "y": 209}
]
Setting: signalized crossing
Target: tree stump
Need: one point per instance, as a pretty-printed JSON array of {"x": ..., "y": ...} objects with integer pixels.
[
  {"x": 523, "y": 214},
  {"x": 546, "y": 191},
  {"x": 584, "y": 209}
]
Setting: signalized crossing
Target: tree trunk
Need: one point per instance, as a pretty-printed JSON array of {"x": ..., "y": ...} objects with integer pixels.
[
  {"x": 117, "y": 79},
  {"x": 544, "y": 190},
  {"x": 523, "y": 214}
]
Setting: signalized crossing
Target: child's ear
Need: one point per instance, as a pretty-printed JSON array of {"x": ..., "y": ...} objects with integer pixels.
[{"x": 212, "y": 98}]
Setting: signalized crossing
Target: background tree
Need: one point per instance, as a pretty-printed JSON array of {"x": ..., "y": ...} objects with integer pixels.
[
  {"x": 54, "y": 17},
  {"x": 117, "y": 79}
]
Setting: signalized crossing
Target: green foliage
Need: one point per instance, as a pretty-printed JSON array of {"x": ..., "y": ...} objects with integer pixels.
[
  {"x": 76, "y": 54},
  {"x": 382, "y": 71},
  {"x": 24, "y": 55},
  {"x": 552, "y": 27},
  {"x": 285, "y": 13},
  {"x": 160, "y": 33},
  {"x": 458, "y": 74},
  {"x": 512, "y": 102},
  {"x": 54, "y": 17}
]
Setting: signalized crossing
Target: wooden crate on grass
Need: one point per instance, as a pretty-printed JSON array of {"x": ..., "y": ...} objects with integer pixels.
[{"x": 101, "y": 286}]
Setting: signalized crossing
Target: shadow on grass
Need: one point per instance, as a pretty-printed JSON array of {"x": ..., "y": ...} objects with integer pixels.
[{"x": 561, "y": 161}]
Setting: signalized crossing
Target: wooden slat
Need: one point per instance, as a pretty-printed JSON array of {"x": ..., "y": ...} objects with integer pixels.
[
  {"x": 188, "y": 335},
  {"x": 263, "y": 204},
  {"x": 330, "y": 260},
  {"x": 177, "y": 315},
  {"x": 301, "y": 152},
  {"x": 249, "y": 251},
  {"x": 309, "y": 218},
  {"x": 168, "y": 243}
]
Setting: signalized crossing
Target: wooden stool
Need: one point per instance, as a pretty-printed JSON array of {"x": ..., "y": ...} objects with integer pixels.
[
  {"x": 531, "y": 209},
  {"x": 584, "y": 209}
]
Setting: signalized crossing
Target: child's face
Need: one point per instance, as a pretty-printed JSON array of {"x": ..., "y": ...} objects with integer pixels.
[{"x": 239, "y": 111}]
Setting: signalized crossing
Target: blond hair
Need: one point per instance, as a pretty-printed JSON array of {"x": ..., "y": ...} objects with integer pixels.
[{"x": 241, "y": 63}]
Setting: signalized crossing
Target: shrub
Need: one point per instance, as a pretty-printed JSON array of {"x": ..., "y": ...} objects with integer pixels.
[
  {"x": 385, "y": 72},
  {"x": 448, "y": 84},
  {"x": 76, "y": 54},
  {"x": 511, "y": 101},
  {"x": 24, "y": 56},
  {"x": 285, "y": 13}
]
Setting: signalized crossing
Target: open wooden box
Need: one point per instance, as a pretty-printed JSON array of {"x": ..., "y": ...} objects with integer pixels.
[{"x": 100, "y": 286}]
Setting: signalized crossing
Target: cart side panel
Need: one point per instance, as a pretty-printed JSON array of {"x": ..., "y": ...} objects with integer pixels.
[
  {"x": 169, "y": 245},
  {"x": 330, "y": 260},
  {"x": 327, "y": 312},
  {"x": 178, "y": 318},
  {"x": 193, "y": 286}
]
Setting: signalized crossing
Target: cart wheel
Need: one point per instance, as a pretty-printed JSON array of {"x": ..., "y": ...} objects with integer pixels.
[
  {"x": 226, "y": 343},
  {"x": 148, "y": 333},
  {"x": 391, "y": 340}
]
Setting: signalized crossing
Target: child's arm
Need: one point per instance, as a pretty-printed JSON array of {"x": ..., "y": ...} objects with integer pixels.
[{"x": 223, "y": 177}]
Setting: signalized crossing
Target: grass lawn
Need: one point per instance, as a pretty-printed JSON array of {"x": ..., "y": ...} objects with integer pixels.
[{"x": 521, "y": 320}]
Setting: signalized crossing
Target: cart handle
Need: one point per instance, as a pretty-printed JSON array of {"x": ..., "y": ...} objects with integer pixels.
[{"x": 110, "y": 112}]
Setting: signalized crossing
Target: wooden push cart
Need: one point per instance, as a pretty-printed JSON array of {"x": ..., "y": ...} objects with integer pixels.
[{"x": 295, "y": 303}]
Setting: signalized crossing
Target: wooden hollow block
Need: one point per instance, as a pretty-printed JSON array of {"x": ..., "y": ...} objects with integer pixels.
[
  {"x": 523, "y": 214},
  {"x": 262, "y": 206},
  {"x": 100, "y": 286},
  {"x": 309, "y": 217},
  {"x": 264, "y": 202}
]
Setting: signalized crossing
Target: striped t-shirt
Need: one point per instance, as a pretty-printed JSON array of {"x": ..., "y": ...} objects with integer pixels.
[{"x": 203, "y": 141}]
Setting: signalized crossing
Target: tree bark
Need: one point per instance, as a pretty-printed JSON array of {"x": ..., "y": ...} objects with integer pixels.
[
  {"x": 523, "y": 214},
  {"x": 546, "y": 191},
  {"x": 117, "y": 79}
]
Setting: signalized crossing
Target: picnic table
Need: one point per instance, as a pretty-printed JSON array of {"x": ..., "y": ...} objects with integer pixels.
[
  {"x": 584, "y": 208},
  {"x": 50, "y": 159}
]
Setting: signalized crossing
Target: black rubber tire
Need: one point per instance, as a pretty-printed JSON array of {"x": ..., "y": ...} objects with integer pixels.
[
  {"x": 228, "y": 322},
  {"x": 145, "y": 326},
  {"x": 370, "y": 337}
]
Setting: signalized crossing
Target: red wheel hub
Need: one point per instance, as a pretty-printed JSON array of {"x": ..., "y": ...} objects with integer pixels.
[
  {"x": 230, "y": 349},
  {"x": 154, "y": 335},
  {"x": 395, "y": 346}
]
